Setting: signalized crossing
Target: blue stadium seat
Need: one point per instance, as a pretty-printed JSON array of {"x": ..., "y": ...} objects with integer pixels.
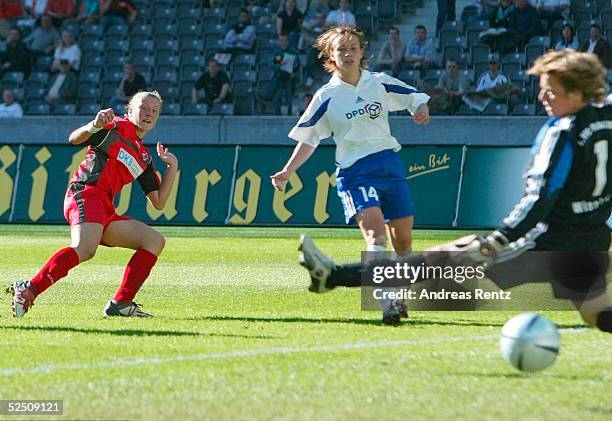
[
  {"x": 195, "y": 109},
  {"x": 142, "y": 29},
  {"x": 187, "y": 10},
  {"x": 191, "y": 43},
  {"x": 165, "y": 76},
  {"x": 192, "y": 58},
  {"x": 93, "y": 77},
  {"x": 64, "y": 109},
  {"x": 43, "y": 64},
  {"x": 190, "y": 74},
  {"x": 495, "y": 109},
  {"x": 166, "y": 13},
  {"x": 89, "y": 108},
  {"x": 40, "y": 77},
  {"x": 168, "y": 59},
  {"x": 465, "y": 110},
  {"x": 34, "y": 91},
  {"x": 168, "y": 91},
  {"x": 88, "y": 91},
  {"x": 38, "y": 109},
  {"x": 244, "y": 76},
  {"x": 244, "y": 105},
  {"x": 365, "y": 22},
  {"x": 387, "y": 10},
  {"x": 171, "y": 108},
  {"x": 14, "y": 79},
  {"x": 222, "y": 109}
]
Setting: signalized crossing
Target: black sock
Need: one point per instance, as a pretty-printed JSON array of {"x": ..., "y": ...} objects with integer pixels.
[
  {"x": 604, "y": 320},
  {"x": 349, "y": 275},
  {"x": 345, "y": 276}
]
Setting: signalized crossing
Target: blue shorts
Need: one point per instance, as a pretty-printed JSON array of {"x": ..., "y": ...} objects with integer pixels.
[{"x": 375, "y": 180}]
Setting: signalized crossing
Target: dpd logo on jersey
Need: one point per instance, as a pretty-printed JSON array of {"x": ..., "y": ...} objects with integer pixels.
[{"x": 374, "y": 109}]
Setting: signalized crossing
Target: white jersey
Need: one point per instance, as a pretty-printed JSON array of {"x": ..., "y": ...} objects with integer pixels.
[{"x": 356, "y": 116}]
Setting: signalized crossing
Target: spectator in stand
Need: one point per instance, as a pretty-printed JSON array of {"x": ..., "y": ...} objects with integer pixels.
[
  {"x": 454, "y": 84},
  {"x": 306, "y": 44},
  {"x": 524, "y": 24},
  {"x": 117, "y": 12},
  {"x": 289, "y": 22},
  {"x": 16, "y": 57},
  {"x": 241, "y": 37},
  {"x": 67, "y": 50},
  {"x": 131, "y": 83},
  {"x": 316, "y": 7},
  {"x": 553, "y": 10},
  {"x": 60, "y": 10},
  {"x": 598, "y": 46},
  {"x": 446, "y": 12},
  {"x": 568, "y": 39},
  {"x": 44, "y": 38},
  {"x": 498, "y": 23},
  {"x": 64, "y": 85},
  {"x": 285, "y": 62},
  {"x": 10, "y": 108},
  {"x": 88, "y": 11},
  {"x": 308, "y": 96},
  {"x": 341, "y": 16},
  {"x": 486, "y": 8},
  {"x": 216, "y": 86},
  {"x": 492, "y": 77},
  {"x": 391, "y": 55},
  {"x": 10, "y": 10},
  {"x": 420, "y": 51}
]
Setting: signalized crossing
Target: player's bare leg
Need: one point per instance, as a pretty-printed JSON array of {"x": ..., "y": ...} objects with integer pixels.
[
  {"x": 372, "y": 224},
  {"x": 596, "y": 312},
  {"x": 400, "y": 233},
  {"x": 148, "y": 244},
  {"x": 85, "y": 239}
]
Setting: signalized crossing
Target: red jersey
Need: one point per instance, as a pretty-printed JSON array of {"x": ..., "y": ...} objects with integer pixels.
[{"x": 115, "y": 157}]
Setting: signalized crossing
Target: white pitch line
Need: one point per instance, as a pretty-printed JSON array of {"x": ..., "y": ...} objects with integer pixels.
[{"x": 247, "y": 353}]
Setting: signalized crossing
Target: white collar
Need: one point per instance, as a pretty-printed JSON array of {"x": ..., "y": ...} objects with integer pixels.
[{"x": 335, "y": 80}]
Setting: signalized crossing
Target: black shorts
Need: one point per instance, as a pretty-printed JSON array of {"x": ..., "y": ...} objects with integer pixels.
[{"x": 576, "y": 266}]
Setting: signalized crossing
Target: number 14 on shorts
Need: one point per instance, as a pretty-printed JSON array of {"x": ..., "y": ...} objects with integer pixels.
[{"x": 369, "y": 193}]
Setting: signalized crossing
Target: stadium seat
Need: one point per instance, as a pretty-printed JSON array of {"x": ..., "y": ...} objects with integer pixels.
[
  {"x": 479, "y": 69},
  {"x": 433, "y": 76},
  {"x": 64, "y": 109},
  {"x": 116, "y": 29},
  {"x": 244, "y": 105},
  {"x": 142, "y": 30},
  {"x": 459, "y": 41},
  {"x": 495, "y": 109},
  {"x": 113, "y": 74},
  {"x": 34, "y": 91},
  {"x": 89, "y": 108},
  {"x": 265, "y": 28},
  {"x": 171, "y": 108},
  {"x": 186, "y": 10},
  {"x": 465, "y": 110},
  {"x": 213, "y": 39},
  {"x": 88, "y": 91},
  {"x": 166, "y": 58},
  {"x": 409, "y": 76},
  {"x": 540, "y": 40},
  {"x": 523, "y": 110},
  {"x": 387, "y": 10},
  {"x": 142, "y": 57},
  {"x": 12, "y": 79},
  {"x": 448, "y": 37},
  {"x": 245, "y": 76},
  {"x": 166, "y": 44},
  {"x": 40, "y": 77},
  {"x": 532, "y": 52},
  {"x": 164, "y": 13},
  {"x": 265, "y": 72},
  {"x": 195, "y": 109},
  {"x": 192, "y": 58},
  {"x": 188, "y": 28},
  {"x": 454, "y": 52},
  {"x": 222, "y": 109},
  {"x": 91, "y": 29},
  {"x": 365, "y": 22},
  {"x": 93, "y": 77},
  {"x": 111, "y": 44},
  {"x": 164, "y": 29},
  {"x": 141, "y": 44},
  {"x": 190, "y": 43},
  {"x": 469, "y": 75},
  {"x": 186, "y": 87},
  {"x": 214, "y": 12},
  {"x": 43, "y": 64},
  {"x": 189, "y": 74},
  {"x": 38, "y": 109},
  {"x": 239, "y": 87}
]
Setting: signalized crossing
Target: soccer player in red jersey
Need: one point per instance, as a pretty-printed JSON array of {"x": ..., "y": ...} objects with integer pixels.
[{"x": 115, "y": 157}]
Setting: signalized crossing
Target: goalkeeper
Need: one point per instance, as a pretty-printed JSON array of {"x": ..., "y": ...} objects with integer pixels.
[{"x": 565, "y": 205}]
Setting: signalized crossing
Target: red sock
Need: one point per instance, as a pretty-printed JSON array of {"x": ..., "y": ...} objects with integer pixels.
[
  {"x": 55, "y": 269},
  {"x": 137, "y": 270}
]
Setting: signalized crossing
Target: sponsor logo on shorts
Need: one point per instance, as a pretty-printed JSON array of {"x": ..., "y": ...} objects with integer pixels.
[
  {"x": 130, "y": 163},
  {"x": 373, "y": 109}
]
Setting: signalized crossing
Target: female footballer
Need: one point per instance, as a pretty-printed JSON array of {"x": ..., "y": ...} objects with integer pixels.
[
  {"x": 115, "y": 157},
  {"x": 353, "y": 107}
]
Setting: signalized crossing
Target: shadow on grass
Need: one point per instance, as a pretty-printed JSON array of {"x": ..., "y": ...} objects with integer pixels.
[
  {"x": 131, "y": 332},
  {"x": 377, "y": 321},
  {"x": 528, "y": 376}
]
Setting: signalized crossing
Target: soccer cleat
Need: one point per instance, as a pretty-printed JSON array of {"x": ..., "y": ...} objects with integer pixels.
[
  {"x": 129, "y": 309},
  {"x": 23, "y": 297},
  {"x": 317, "y": 263},
  {"x": 394, "y": 312}
]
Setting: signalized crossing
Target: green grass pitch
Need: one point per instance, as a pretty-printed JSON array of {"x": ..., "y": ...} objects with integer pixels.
[{"x": 236, "y": 335}]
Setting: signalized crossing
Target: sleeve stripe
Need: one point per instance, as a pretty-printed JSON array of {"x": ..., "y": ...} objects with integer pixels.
[
  {"x": 562, "y": 169},
  {"x": 397, "y": 89},
  {"x": 317, "y": 115}
]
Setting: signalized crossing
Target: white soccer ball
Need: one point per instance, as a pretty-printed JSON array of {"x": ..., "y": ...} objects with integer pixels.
[{"x": 530, "y": 342}]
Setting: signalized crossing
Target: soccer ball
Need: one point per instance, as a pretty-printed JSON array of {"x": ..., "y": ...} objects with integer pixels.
[{"x": 530, "y": 342}]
